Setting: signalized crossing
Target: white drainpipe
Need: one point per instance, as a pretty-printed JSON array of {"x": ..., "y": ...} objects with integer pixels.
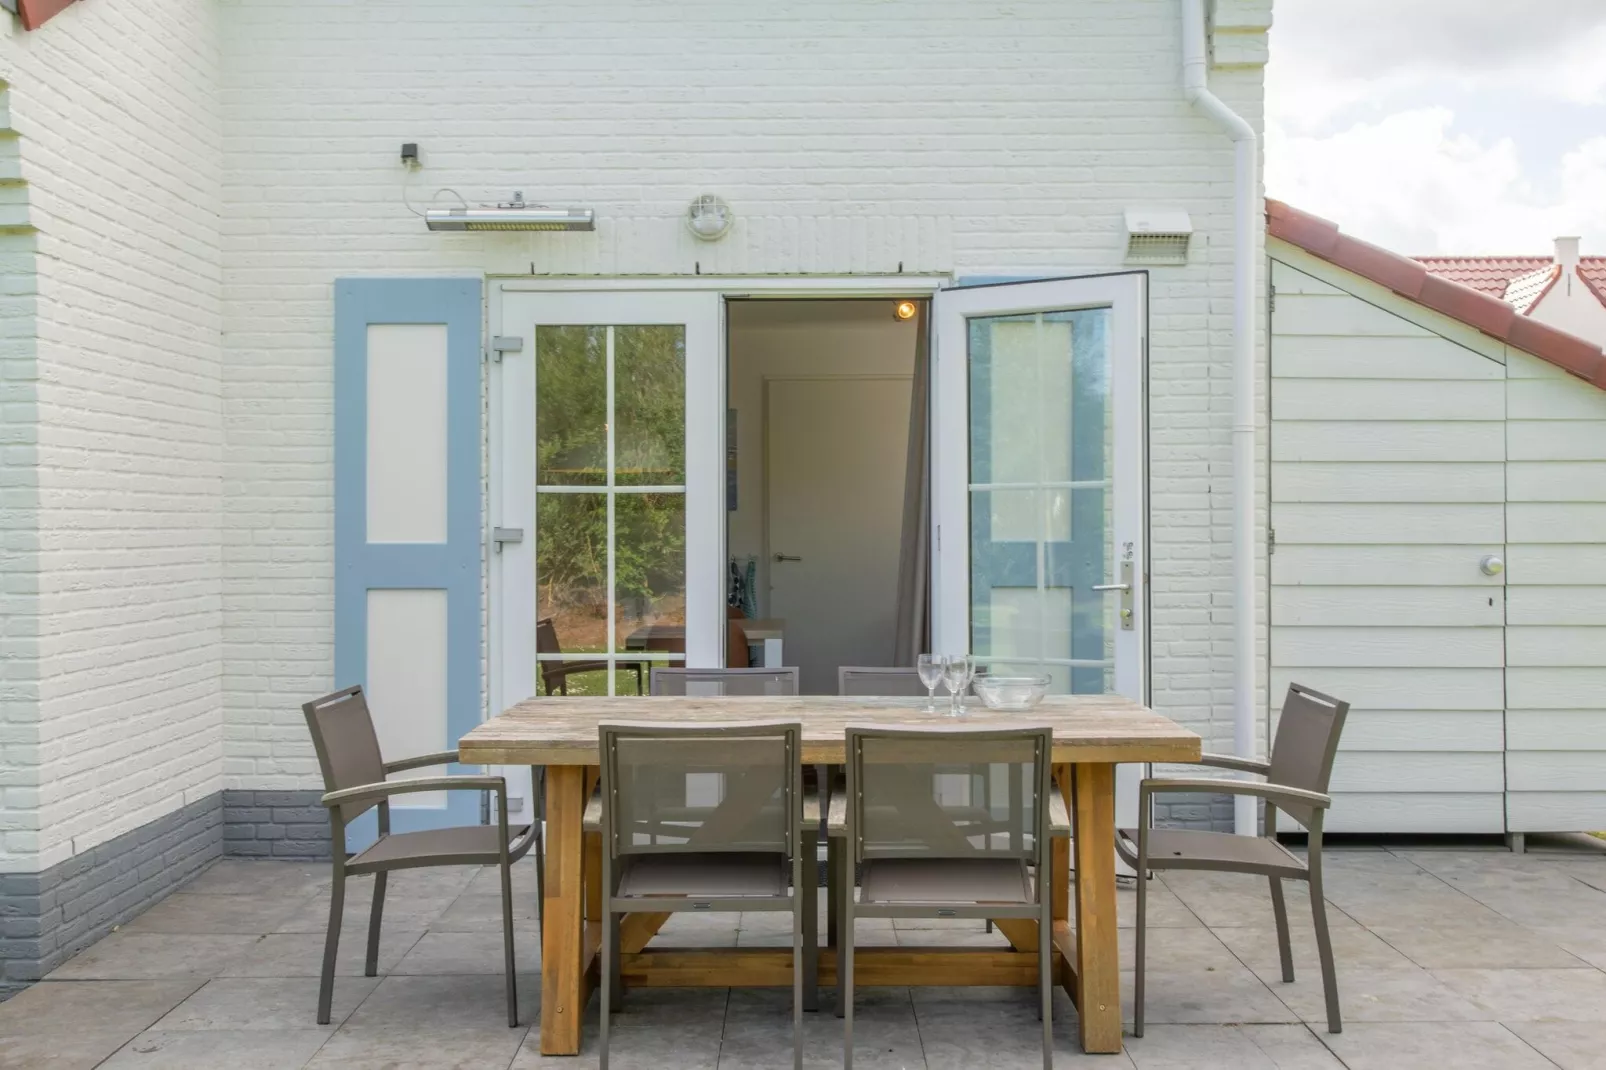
[{"x": 1245, "y": 204}]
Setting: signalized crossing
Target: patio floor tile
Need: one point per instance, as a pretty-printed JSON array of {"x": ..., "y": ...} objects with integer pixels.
[
  {"x": 1213, "y": 1047},
  {"x": 407, "y": 912},
  {"x": 1462, "y": 1045},
  {"x": 150, "y": 956},
  {"x": 454, "y": 1002},
  {"x": 1183, "y": 949},
  {"x": 270, "y": 1003},
  {"x": 452, "y": 952},
  {"x": 1570, "y": 1045},
  {"x": 407, "y": 1048},
  {"x": 1353, "y": 945},
  {"x": 655, "y": 1029},
  {"x": 1369, "y": 994},
  {"x": 488, "y": 880},
  {"x": 250, "y": 1049},
  {"x": 1003, "y": 1031},
  {"x": 1577, "y": 995},
  {"x": 758, "y": 1031},
  {"x": 301, "y": 954},
  {"x": 185, "y": 912},
  {"x": 1584, "y": 940},
  {"x": 1199, "y": 996},
  {"x": 55, "y": 1008},
  {"x": 1452, "y": 944},
  {"x": 80, "y": 1050},
  {"x": 480, "y": 913},
  {"x": 241, "y": 876}
]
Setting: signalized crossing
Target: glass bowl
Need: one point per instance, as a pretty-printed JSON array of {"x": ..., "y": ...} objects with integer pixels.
[{"x": 1000, "y": 692}]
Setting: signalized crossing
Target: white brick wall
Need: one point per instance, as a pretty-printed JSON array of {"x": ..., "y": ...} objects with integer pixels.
[
  {"x": 119, "y": 573},
  {"x": 849, "y": 135}
]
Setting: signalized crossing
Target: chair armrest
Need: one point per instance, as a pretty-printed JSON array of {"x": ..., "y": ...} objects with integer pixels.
[
  {"x": 815, "y": 801},
  {"x": 1059, "y": 816},
  {"x": 591, "y": 820},
  {"x": 1232, "y": 761},
  {"x": 1270, "y": 792},
  {"x": 378, "y": 792},
  {"x": 445, "y": 757},
  {"x": 836, "y": 814}
]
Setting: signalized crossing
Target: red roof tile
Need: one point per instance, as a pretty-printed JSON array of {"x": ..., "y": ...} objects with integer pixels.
[
  {"x": 1422, "y": 281},
  {"x": 1495, "y": 274}
]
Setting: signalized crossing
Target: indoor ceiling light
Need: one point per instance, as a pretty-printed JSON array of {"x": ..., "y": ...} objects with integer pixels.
[{"x": 511, "y": 215}]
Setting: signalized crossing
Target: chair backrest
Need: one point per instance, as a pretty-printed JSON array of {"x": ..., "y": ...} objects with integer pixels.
[
  {"x": 724, "y": 681},
  {"x": 948, "y": 792},
  {"x": 860, "y": 680},
  {"x": 701, "y": 788},
  {"x": 348, "y": 749},
  {"x": 1307, "y": 741},
  {"x": 546, "y": 642}
]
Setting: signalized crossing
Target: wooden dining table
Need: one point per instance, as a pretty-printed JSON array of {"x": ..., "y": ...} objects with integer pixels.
[{"x": 1092, "y": 733}]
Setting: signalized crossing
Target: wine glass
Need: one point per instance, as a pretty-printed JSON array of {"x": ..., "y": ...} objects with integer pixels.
[
  {"x": 956, "y": 674},
  {"x": 930, "y": 667}
]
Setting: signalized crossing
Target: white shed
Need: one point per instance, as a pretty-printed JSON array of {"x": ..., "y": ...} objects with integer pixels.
[{"x": 1438, "y": 513}]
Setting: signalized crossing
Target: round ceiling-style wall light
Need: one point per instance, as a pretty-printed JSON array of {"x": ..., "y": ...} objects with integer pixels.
[
  {"x": 905, "y": 310},
  {"x": 709, "y": 218}
]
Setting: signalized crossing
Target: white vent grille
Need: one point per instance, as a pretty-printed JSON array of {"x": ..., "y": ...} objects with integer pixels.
[{"x": 1157, "y": 248}]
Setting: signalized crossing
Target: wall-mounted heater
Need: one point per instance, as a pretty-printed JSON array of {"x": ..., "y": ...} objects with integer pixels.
[{"x": 511, "y": 215}]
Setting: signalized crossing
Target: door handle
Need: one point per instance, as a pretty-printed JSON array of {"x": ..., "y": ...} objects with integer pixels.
[
  {"x": 1112, "y": 586},
  {"x": 1125, "y": 587},
  {"x": 787, "y": 557}
]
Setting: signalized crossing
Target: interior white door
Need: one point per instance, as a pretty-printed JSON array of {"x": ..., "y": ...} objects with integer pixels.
[
  {"x": 835, "y": 447},
  {"x": 1038, "y": 484},
  {"x": 606, "y": 485}
]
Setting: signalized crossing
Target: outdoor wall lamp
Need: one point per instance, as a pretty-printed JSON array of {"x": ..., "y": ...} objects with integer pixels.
[{"x": 511, "y": 215}]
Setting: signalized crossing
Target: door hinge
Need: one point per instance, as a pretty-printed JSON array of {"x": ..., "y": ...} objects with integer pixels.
[
  {"x": 1271, "y": 299},
  {"x": 504, "y": 343},
  {"x": 500, "y": 536},
  {"x": 1271, "y": 541}
]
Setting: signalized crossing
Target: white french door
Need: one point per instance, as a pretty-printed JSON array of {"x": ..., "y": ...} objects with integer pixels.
[
  {"x": 1038, "y": 484},
  {"x": 606, "y": 412}
]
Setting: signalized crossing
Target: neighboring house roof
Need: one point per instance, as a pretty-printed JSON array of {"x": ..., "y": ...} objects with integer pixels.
[
  {"x": 1412, "y": 279},
  {"x": 1514, "y": 277}
]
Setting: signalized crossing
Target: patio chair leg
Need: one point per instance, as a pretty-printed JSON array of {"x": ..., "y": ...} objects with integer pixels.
[
  {"x": 1045, "y": 982},
  {"x": 1279, "y": 910},
  {"x": 809, "y": 905},
  {"x": 833, "y": 882},
  {"x": 507, "y": 946},
  {"x": 538, "y": 790},
  {"x": 1140, "y": 939},
  {"x": 606, "y": 995},
  {"x": 616, "y": 975},
  {"x": 1324, "y": 950},
  {"x": 844, "y": 985},
  {"x": 371, "y": 964},
  {"x": 331, "y": 944},
  {"x": 803, "y": 982}
]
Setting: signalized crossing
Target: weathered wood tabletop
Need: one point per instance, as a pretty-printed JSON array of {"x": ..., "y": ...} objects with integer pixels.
[{"x": 563, "y": 731}]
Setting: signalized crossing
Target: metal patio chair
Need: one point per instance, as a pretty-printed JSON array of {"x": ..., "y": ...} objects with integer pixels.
[
  {"x": 555, "y": 674},
  {"x": 725, "y": 681},
  {"x": 1296, "y": 783},
  {"x": 863, "y": 680},
  {"x": 735, "y": 791},
  {"x": 354, "y": 779},
  {"x": 910, "y": 822}
]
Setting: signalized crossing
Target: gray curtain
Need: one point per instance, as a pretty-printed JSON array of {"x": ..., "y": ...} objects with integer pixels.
[{"x": 913, "y": 636}]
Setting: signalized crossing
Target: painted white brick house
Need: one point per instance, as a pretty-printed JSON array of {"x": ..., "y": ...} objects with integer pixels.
[{"x": 184, "y": 182}]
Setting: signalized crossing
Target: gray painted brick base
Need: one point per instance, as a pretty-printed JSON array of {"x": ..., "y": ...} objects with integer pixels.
[
  {"x": 45, "y": 918},
  {"x": 1207, "y": 812},
  {"x": 275, "y": 824}
]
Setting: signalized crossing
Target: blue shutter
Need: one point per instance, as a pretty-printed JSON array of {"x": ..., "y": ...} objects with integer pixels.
[{"x": 452, "y": 566}]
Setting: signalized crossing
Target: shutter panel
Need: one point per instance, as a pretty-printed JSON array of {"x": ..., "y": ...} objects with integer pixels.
[{"x": 407, "y": 523}]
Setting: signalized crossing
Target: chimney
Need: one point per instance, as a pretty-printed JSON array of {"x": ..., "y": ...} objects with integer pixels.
[{"x": 1567, "y": 253}]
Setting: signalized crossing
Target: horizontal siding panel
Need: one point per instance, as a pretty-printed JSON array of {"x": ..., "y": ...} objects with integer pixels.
[
  {"x": 1556, "y": 645},
  {"x": 1316, "y": 357},
  {"x": 1556, "y": 440},
  {"x": 1390, "y": 524},
  {"x": 1556, "y": 481},
  {"x": 1552, "y": 522},
  {"x": 1399, "y": 399},
  {"x": 1339, "y": 317},
  {"x": 1338, "y": 440},
  {"x": 1286, "y": 279},
  {"x": 1467, "y": 813},
  {"x": 1425, "y": 730},
  {"x": 1418, "y": 771},
  {"x": 1359, "y": 481},
  {"x": 1577, "y": 687},
  {"x": 1555, "y": 605},
  {"x": 1556, "y": 770},
  {"x": 1378, "y": 566},
  {"x": 1557, "y": 730},
  {"x": 1399, "y": 689},
  {"x": 1556, "y": 811},
  {"x": 1388, "y": 647},
  {"x": 1554, "y": 399},
  {"x": 1556, "y": 564},
  {"x": 1397, "y": 606}
]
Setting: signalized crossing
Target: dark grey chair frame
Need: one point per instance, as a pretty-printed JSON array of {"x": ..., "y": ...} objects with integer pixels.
[
  {"x": 344, "y": 714},
  {"x": 1308, "y": 732},
  {"x": 1042, "y": 740},
  {"x": 853, "y": 679},
  {"x": 614, "y": 905},
  {"x": 663, "y": 676}
]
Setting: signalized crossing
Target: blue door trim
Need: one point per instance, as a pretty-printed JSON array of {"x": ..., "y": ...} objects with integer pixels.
[{"x": 453, "y": 566}]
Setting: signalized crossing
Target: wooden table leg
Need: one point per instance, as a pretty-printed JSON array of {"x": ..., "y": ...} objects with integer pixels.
[
  {"x": 1097, "y": 952},
  {"x": 563, "y": 943}
]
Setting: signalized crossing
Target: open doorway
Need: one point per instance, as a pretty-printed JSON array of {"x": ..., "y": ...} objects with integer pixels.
[{"x": 821, "y": 398}]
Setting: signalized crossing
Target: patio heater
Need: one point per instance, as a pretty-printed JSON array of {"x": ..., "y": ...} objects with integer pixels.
[{"x": 510, "y": 215}]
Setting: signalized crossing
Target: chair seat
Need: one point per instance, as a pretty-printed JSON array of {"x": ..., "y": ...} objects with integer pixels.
[
  {"x": 705, "y": 876},
  {"x": 1191, "y": 849},
  {"x": 889, "y": 881},
  {"x": 465, "y": 845}
]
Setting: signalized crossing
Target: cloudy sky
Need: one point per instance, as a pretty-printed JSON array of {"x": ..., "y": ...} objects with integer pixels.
[{"x": 1442, "y": 126}]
